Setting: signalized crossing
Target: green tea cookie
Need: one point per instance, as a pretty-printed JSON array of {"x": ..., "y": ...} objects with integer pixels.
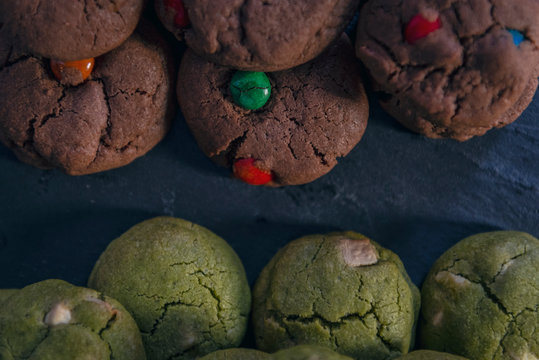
[
  {"x": 5, "y": 294},
  {"x": 184, "y": 285},
  {"x": 237, "y": 354},
  {"x": 53, "y": 319},
  {"x": 308, "y": 352},
  {"x": 429, "y": 355},
  {"x": 481, "y": 298},
  {"x": 339, "y": 290}
]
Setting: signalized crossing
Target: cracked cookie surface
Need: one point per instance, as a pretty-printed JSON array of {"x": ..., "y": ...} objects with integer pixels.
[
  {"x": 69, "y": 30},
  {"x": 480, "y": 299},
  {"x": 260, "y": 35},
  {"x": 316, "y": 113},
  {"x": 460, "y": 80},
  {"x": 118, "y": 114},
  {"x": 53, "y": 319},
  {"x": 184, "y": 285},
  {"x": 311, "y": 293}
]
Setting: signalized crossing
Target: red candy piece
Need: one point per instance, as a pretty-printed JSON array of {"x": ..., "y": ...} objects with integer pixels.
[
  {"x": 180, "y": 19},
  {"x": 245, "y": 170},
  {"x": 85, "y": 67},
  {"x": 419, "y": 27}
]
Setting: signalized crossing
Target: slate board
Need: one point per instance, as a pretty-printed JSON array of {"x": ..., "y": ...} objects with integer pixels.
[{"x": 414, "y": 195}]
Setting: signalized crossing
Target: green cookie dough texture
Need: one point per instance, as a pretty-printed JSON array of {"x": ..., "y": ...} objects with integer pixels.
[
  {"x": 55, "y": 320},
  {"x": 429, "y": 355},
  {"x": 184, "y": 285},
  {"x": 481, "y": 298},
  {"x": 6, "y": 293},
  {"x": 308, "y": 352},
  {"x": 237, "y": 354},
  {"x": 339, "y": 290}
]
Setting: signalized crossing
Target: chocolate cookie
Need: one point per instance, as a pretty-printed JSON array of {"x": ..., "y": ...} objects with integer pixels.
[
  {"x": 69, "y": 30},
  {"x": 312, "y": 115},
  {"x": 119, "y": 113},
  {"x": 257, "y": 35},
  {"x": 451, "y": 69}
]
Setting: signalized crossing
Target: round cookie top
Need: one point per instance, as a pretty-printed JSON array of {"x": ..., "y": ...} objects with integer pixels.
[
  {"x": 53, "y": 319},
  {"x": 69, "y": 30},
  {"x": 316, "y": 113},
  {"x": 339, "y": 290},
  {"x": 451, "y": 69},
  {"x": 480, "y": 298},
  {"x": 308, "y": 352},
  {"x": 119, "y": 113},
  {"x": 257, "y": 35},
  {"x": 429, "y": 355},
  {"x": 184, "y": 285},
  {"x": 237, "y": 354}
]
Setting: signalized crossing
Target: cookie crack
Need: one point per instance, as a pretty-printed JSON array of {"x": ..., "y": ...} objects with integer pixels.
[
  {"x": 165, "y": 308},
  {"x": 108, "y": 325}
]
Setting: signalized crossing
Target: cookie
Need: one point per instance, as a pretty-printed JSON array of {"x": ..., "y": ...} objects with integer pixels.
[
  {"x": 53, "y": 319},
  {"x": 310, "y": 115},
  {"x": 340, "y": 290},
  {"x": 237, "y": 354},
  {"x": 69, "y": 30},
  {"x": 451, "y": 69},
  {"x": 480, "y": 298},
  {"x": 184, "y": 285},
  {"x": 429, "y": 355},
  {"x": 308, "y": 352},
  {"x": 257, "y": 35},
  {"x": 119, "y": 113}
]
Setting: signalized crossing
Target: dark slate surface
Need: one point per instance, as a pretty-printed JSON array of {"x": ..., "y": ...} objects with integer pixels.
[{"x": 414, "y": 195}]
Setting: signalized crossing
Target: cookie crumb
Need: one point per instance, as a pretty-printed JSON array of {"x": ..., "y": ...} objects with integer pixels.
[{"x": 358, "y": 252}]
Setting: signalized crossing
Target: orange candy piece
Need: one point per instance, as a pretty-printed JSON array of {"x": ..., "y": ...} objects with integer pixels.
[{"x": 85, "y": 67}]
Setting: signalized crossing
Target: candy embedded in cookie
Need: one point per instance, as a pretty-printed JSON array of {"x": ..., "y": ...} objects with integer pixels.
[
  {"x": 316, "y": 114},
  {"x": 451, "y": 69},
  {"x": 419, "y": 27},
  {"x": 246, "y": 170},
  {"x": 72, "y": 72},
  {"x": 181, "y": 19},
  {"x": 250, "y": 90}
]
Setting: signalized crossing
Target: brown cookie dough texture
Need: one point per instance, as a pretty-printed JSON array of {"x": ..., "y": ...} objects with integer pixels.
[
  {"x": 69, "y": 30},
  {"x": 260, "y": 35},
  {"x": 460, "y": 80},
  {"x": 317, "y": 113},
  {"x": 117, "y": 115}
]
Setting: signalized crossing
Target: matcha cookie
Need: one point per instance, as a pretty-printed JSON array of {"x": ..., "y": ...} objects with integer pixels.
[
  {"x": 6, "y": 293},
  {"x": 429, "y": 355},
  {"x": 53, "y": 319},
  {"x": 257, "y": 35},
  {"x": 184, "y": 285},
  {"x": 308, "y": 352},
  {"x": 451, "y": 69},
  {"x": 121, "y": 111},
  {"x": 237, "y": 354},
  {"x": 282, "y": 128},
  {"x": 339, "y": 290},
  {"x": 481, "y": 298},
  {"x": 69, "y": 30}
]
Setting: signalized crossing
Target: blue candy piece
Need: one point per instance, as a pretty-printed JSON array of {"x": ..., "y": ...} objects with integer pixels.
[{"x": 517, "y": 36}]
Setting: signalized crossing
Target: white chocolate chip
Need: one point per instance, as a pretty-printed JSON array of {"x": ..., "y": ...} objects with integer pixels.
[
  {"x": 437, "y": 318},
  {"x": 453, "y": 278},
  {"x": 505, "y": 267},
  {"x": 358, "y": 252},
  {"x": 525, "y": 356},
  {"x": 59, "y": 314}
]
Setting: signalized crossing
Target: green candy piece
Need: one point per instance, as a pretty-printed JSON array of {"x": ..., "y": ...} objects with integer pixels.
[
  {"x": 250, "y": 90},
  {"x": 481, "y": 298}
]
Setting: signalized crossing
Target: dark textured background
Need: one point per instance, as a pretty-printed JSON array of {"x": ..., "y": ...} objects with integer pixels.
[{"x": 414, "y": 195}]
